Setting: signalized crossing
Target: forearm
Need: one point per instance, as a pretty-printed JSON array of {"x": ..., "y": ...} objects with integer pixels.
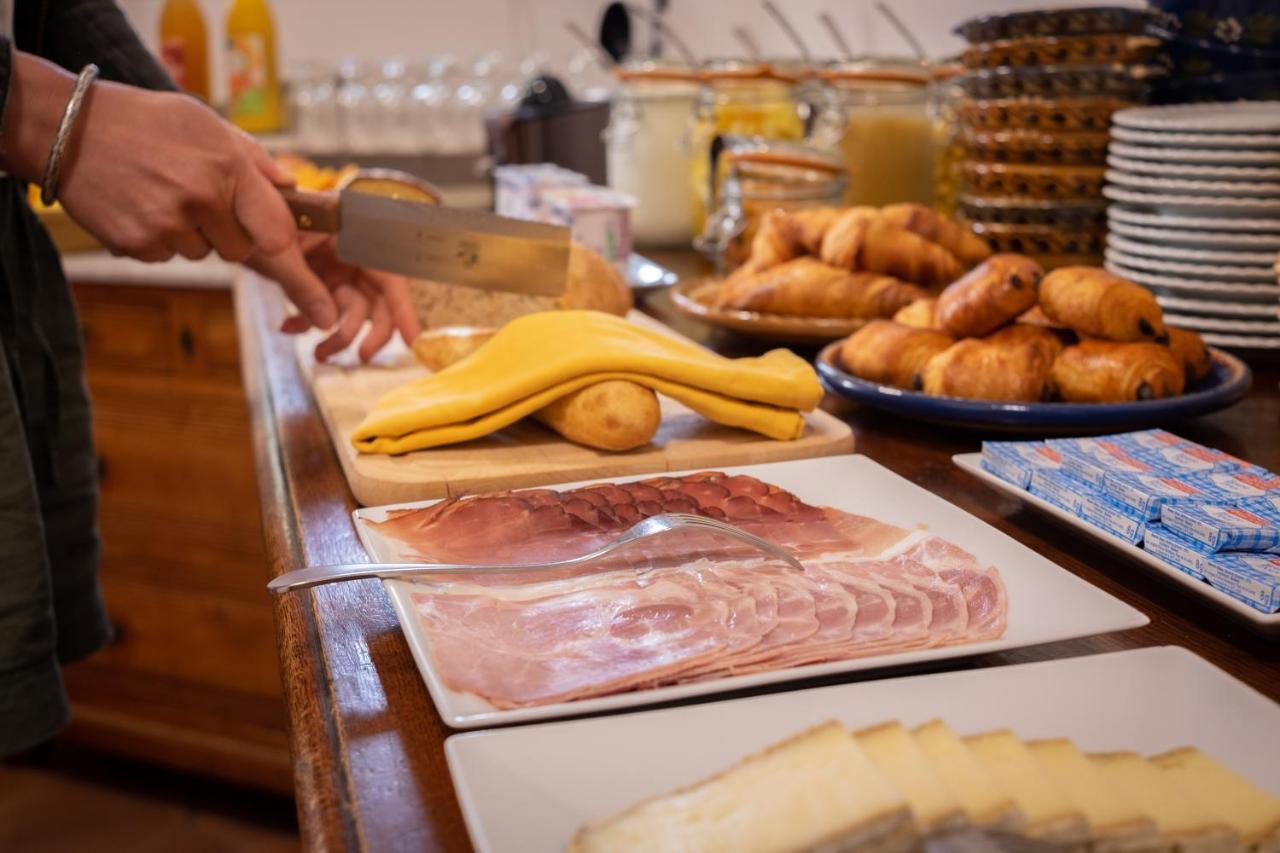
[{"x": 38, "y": 94}]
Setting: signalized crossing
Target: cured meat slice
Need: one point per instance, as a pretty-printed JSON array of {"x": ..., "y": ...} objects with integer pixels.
[{"x": 984, "y": 592}]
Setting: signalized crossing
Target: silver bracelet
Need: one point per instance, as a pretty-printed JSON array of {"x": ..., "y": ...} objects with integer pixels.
[{"x": 49, "y": 189}]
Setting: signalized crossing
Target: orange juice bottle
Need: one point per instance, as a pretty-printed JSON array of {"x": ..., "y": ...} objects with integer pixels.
[
  {"x": 253, "y": 82},
  {"x": 184, "y": 47}
]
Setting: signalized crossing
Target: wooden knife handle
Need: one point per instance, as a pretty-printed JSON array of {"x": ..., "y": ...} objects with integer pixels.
[{"x": 314, "y": 211}]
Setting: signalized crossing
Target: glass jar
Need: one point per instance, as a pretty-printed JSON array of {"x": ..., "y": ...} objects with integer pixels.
[
  {"x": 645, "y": 149},
  {"x": 752, "y": 99},
  {"x": 948, "y": 146},
  {"x": 879, "y": 118}
]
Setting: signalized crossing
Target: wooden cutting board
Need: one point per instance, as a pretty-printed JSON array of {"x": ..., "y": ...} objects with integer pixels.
[{"x": 526, "y": 453}]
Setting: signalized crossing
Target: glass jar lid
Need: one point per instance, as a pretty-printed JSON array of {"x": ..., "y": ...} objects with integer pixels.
[{"x": 656, "y": 71}]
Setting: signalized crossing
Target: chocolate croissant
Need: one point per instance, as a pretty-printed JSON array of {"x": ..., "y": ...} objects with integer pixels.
[
  {"x": 806, "y": 287},
  {"x": 1098, "y": 304},
  {"x": 989, "y": 296},
  {"x": 1005, "y": 369},
  {"x": 1189, "y": 348},
  {"x": 1095, "y": 371},
  {"x": 957, "y": 239},
  {"x": 921, "y": 314},
  {"x": 890, "y": 353},
  {"x": 1050, "y": 341},
  {"x": 862, "y": 239}
]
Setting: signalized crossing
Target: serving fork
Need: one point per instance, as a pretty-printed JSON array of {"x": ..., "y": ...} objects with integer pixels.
[{"x": 655, "y": 525}]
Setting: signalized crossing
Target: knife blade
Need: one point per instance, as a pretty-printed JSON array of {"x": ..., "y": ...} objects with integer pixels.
[{"x": 444, "y": 244}]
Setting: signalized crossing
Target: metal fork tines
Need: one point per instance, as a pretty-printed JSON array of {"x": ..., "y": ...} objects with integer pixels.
[{"x": 653, "y": 526}]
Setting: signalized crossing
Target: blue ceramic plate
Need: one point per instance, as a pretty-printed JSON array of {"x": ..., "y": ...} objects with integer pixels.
[{"x": 1227, "y": 382}]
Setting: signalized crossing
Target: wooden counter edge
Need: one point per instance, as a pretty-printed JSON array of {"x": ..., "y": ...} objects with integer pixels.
[{"x": 321, "y": 785}]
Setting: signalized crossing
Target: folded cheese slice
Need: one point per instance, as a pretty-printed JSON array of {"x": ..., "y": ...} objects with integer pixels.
[
  {"x": 1250, "y": 811},
  {"x": 537, "y": 359},
  {"x": 985, "y": 803},
  {"x": 817, "y": 791},
  {"x": 1115, "y": 821},
  {"x": 1049, "y": 812},
  {"x": 1183, "y": 820},
  {"x": 900, "y": 759}
]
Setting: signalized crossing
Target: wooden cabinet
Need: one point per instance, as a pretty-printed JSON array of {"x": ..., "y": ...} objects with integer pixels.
[{"x": 191, "y": 680}]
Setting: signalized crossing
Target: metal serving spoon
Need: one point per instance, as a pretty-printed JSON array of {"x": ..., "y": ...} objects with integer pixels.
[{"x": 653, "y": 526}]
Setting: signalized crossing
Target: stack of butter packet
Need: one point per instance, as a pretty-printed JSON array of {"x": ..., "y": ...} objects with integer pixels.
[{"x": 1205, "y": 512}]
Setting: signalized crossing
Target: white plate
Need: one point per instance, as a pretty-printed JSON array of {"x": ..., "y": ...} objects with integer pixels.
[
  {"x": 1124, "y": 213},
  {"x": 1255, "y": 293},
  {"x": 1193, "y": 186},
  {"x": 1218, "y": 324},
  {"x": 1215, "y": 307},
  {"x": 1226, "y": 206},
  {"x": 1267, "y": 623},
  {"x": 1197, "y": 156},
  {"x": 1224, "y": 240},
  {"x": 1213, "y": 272},
  {"x": 1212, "y": 141},
  {"x": 1193, "y": 256},
  {"x": 1046, "y": 603},
  {"x": 1239, "y": 117},
  {"x": 527, "y": 789},
  {"x": 1165, "y": 169},
  {"x": 1239, "y": 342}
]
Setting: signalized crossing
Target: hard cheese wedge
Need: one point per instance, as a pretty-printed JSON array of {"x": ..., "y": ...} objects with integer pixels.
[
  {"x": 1049, "y": 812},
  {"x": 537, "y": 359},
  {"x": 1183, "y": 820},
  {"x": 900, "y": 759},
  {"x": 816, "y": 791},
  {"x": 1252, "y": 812},
  {"x": 1115, "y": 821},
  {"x": 985, "y": 802}
]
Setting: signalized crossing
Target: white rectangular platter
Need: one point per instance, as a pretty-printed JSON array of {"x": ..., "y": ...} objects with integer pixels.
[
  {"x": 1046, "y": 602},
  {"x": 1265, "y": 623},
  {"x": 527, "y": 789}
]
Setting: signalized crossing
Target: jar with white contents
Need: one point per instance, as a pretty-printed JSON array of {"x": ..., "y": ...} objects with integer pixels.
[{"x": 646, "y": 153}]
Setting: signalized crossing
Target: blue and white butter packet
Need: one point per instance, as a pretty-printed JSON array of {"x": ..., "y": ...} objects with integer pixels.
[
  {"x": 1104, "y": 513},
  {"x": 1015, "y": 461},
  {"x": 1146, "y": 494},
  {"x": 1181, "y": 553},
  {"x": 1059, "y": 489},
  {"x": 1251, "y": 524},
  {"x": 1251, "y": 578},
  {"x": 1150, "y": 452}
]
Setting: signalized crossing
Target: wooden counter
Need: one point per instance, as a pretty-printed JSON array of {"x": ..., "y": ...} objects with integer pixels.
[{"x": 369, "y": 768}]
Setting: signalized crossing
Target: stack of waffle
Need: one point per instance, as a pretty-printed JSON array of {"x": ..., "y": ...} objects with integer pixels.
[{"x": 1039, "y": 90}]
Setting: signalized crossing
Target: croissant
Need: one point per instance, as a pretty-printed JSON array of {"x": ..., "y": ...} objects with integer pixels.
[
  {"x": 1190, "y": 349},
  {"x": 1005, "y": 369},
  {"x": 989, "y": 295},
  {"x": 1034, "y": 316},
  {"x": 1049, "y": 341},
  {"x": 1095, "y": 371},
  {"x": 957, "y": 239},
  {"x": 861, "y": 239},
  {"x": 1098, "y": 304},
  {"x": 811, "y": 224},
  {"x": 921, "y": 314},
  {"x": 775, "y": 243},
  {"x": 809, "y": 288},
  {"x": 890, "y": 353}
]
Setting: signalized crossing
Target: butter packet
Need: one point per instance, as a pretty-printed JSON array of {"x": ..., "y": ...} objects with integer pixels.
[
  {"x": 1146, "y": 494},
  {"x": 1181, "y": 553},
  {"x": 1059, "y": 489},
  {"x": 1251, "y": 524},
  {"x": 1015, "y": 461},
  {"x": 1151, "y": 452},
  {"x": 1251, "y": 578},
  {"x": 1102, "y": 512}
]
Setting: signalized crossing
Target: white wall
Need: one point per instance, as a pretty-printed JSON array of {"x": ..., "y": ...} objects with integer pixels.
[{"x": 325, "y": 30}]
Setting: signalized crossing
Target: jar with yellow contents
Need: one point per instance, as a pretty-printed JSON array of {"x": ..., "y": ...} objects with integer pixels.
[
  {"x": 878, "y": 113},
  {"x": 751, "y": 99}
]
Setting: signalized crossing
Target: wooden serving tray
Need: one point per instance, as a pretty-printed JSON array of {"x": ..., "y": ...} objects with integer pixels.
[{"x": 526, "y": 453}]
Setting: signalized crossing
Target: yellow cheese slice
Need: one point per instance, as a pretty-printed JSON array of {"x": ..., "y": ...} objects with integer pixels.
[
  {"x": 985, "y": 802},
  {"x": 1116, "y": 822},
  {"x": 900, "y": 759},
  {"x": 1182, "y": 819},
  {"x": 1049, "y": 813},
  {"x": 539, "y": 358},
  {"x": 1251, "y": 811}
]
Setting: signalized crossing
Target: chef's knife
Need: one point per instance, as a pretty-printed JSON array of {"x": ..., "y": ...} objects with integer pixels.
[{"x": 425, "y": 240}]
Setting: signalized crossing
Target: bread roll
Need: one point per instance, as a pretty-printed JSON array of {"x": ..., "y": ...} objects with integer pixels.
[
  {"x": 892, "y": 354},
  {"x": 989, "y": 296},
  {"x": 1098, "y": 304},
  {"x": 1095, "y": 371}
]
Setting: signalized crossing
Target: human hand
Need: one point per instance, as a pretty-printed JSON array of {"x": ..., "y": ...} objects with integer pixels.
[{"x": 382, "y": 298}]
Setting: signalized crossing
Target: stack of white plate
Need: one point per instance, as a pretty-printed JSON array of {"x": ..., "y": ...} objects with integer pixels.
[{"x": 1195, "y": 215}]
